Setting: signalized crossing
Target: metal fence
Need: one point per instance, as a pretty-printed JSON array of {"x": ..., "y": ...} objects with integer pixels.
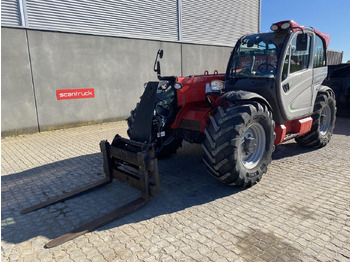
[{"x": 334, "y": 57}]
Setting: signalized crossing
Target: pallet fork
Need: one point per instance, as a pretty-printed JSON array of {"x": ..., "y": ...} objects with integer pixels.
[{"x": 132, "y": 161}]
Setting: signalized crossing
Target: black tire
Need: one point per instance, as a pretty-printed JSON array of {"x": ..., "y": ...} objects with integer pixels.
[
  {"x": 170, "y": 143},
  {"x": 226, "y": 149},
  {"x": 323, "y": 121}
]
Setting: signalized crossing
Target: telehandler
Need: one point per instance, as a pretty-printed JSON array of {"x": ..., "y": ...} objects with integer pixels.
[{"x": 271, "y": 92}]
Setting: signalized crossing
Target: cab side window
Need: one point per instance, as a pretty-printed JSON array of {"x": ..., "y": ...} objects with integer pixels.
[
  {"x": 320, "y": 53},
  {"x": 299, "y": 59}
]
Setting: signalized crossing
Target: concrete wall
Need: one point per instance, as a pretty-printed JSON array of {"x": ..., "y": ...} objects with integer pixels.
[
  {"x": 18, "y": 112},
  {"x": 198, "y": 58},
  {"x": 115, "y": 67}
]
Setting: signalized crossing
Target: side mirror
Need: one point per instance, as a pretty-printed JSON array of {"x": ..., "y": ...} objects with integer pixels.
[
  {"x": 301, "y": 42},
  {"x": 156, "y": 66},
  {"x": 251, "y": 42}
]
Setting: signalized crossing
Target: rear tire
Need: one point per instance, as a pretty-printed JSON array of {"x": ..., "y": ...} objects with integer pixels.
[
  {"x": 323, "y": 121},
  {"x": 239, "y": 143},
  {"x": 170, "y": 143}
]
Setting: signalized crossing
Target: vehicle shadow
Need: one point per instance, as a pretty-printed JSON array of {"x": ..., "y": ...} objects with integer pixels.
[
  {"x": 184, "y": 183},
  {"x": 290, "y": 149},
  {"x": 342, "y": 126}
]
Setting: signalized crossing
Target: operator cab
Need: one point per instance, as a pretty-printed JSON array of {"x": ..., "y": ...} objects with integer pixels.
[
  {"x": 256, "y": 56},
  {"x": 285, "y": 66}
]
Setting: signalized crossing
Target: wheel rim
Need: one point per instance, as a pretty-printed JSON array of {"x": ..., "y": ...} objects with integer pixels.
[
  {"x": 253, "y": 145},
  {"x": 326, "y": 116}
]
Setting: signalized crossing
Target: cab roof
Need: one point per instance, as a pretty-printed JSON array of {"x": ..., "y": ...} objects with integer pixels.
[{"x": 294, "y": 26}]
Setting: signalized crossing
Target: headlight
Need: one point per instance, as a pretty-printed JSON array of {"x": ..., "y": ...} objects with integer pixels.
[
  {"x": 285, "y": 25},
  {"x": 178, "y": 86},
  {"x": 216, "y": 85},
  {"x": 274, "y": 27}
]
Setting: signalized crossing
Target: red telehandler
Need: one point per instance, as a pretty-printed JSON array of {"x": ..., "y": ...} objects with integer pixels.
[{"x": 271, "y": 92}]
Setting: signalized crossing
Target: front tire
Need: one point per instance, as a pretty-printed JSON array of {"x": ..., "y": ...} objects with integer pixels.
[
  {"x": 323, "y": 122},
  {"x": 239, "y": 143}
]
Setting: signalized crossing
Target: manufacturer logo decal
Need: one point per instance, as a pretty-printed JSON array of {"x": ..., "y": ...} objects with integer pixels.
[{"x": 75, "y": 93}]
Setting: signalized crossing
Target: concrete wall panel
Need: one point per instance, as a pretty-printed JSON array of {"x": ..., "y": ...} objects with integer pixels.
[
  {"x": 17, "y": 99},
  {"x": 115, "y": 67},
  {"x": 171, "y": 61},
  {"x": 198, "y": 58}
]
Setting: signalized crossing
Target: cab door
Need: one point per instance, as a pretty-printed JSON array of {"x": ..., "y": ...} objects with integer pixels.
[
  {"x": 320, "y": 69},
  {"x": 297, "y": 78}
]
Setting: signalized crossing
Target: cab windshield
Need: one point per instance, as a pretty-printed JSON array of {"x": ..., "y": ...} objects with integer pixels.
[{"x": 256, "y": 56}]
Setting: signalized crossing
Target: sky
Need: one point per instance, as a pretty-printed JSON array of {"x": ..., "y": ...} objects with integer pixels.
[{"x": 331, "y": 16}]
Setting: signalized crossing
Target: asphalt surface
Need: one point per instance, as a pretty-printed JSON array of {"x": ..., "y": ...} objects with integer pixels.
[{"x": 300, "y": 211}]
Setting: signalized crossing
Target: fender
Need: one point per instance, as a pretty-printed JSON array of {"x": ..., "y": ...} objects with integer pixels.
[
  {"x": 325, "y": 89},
  {"x": 240, "y": 95}
]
